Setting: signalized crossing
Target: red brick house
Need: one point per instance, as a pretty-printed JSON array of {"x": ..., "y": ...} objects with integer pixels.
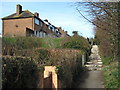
[{"x": 25, "y": 23}]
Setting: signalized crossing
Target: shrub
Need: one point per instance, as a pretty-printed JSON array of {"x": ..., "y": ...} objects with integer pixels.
[
  {"x": 67, "y": 60},
  {"x": 23, "y": 71},
  {"x": 15, "y": 44},
  {"x": 68, "y": 64},
  {"x": 76, "y": 42},
  {"x": 107, "y": 60},
  {"x": 111, "y": 74},
  {"x": 19, "y": 72},
  {"x": 51, "y": 42},
  {"x": 21, "y": 42}
]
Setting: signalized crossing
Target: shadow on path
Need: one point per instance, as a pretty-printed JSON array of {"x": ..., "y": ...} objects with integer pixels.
[{"x": 90, "y": 79}]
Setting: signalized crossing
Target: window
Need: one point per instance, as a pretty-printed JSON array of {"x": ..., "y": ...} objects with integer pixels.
[
  {"x": 48, "y": 26},
  {"x": 44, "y": 34},
  {"x": 40, "y": 34},
  {"x": 53, "y": 29},
  {"x": 36, "y": 21},
  {"x": 35, "y": 32},
  {"x": 56, "y": 30},
  {"x": 40, "y": 23}
]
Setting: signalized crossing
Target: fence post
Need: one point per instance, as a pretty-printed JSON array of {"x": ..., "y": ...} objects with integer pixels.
[
  {"x": 53, "y": 82},
  {"x": 83, "y": 60}
]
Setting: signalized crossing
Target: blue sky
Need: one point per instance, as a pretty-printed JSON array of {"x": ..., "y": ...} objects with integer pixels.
[{"x": 60, "y": 14}]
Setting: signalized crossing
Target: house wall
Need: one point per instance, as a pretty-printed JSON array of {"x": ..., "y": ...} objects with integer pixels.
[
  {"x": 42, "y": 31},
  {"x": 45, "y": 28},
  {"x": 17, "y": 27}
]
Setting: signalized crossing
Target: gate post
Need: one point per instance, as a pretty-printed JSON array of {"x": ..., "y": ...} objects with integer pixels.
[
  {"x": 83, "y": 60},
  {"x": 54, "y": 81}
]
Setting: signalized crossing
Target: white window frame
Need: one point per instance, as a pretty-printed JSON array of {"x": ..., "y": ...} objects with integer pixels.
[
  {"x": 40, "y": 34},
  {"x": 36, "y": 21},
  {"x": 41, "y": 23},
  {"x": 56, "y": 30},
  {"x": 35, "y": 32},
  {"x": 53, "y": 29},
  {"x": 44, "y": 34},
  {"x": 49, "y": 26}
]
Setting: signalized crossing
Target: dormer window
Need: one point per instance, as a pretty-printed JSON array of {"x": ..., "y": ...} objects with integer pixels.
[
  {"x": 48, "y": 26},
  {"x": 57, "y": 31},
  {"x": 53, "y": 29},
  {"x": 36, "y": 21}
]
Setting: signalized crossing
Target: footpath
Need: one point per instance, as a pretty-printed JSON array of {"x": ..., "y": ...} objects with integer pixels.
[{"x": 92, "y": 77}]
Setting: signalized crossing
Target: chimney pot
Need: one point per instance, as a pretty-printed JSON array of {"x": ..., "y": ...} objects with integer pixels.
[
  {"x": 18, "y": 9},
  {"x": 46, "y": 20},
  {"x": 36, "y": 14},
  {"x": 66, "y": 32}
]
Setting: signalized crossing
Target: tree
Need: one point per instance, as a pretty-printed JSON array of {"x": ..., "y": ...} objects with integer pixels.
[{"x": 104, "y": 17}]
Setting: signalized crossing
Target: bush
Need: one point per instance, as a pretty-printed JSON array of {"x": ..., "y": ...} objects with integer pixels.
[
  {"x": 19, "y": 72},
  {"x": 68, "y": 64},
  {"x": 21, "y": 42},
  {"x": 67, "y": 60},
  {"x": 76, "y": 42},
  {"x": 107, "y": 60},
  {"x": 111, "y": 74},
  {"x": 51, "y": 42},
  {"x": 15, "y": 44}
]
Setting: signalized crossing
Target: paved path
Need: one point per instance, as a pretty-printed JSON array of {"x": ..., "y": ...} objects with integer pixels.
[{"x": 92, "y": 77}]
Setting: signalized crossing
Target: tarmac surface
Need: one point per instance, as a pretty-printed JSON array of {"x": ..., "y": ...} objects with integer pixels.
[{"x": 92, "y": 76}]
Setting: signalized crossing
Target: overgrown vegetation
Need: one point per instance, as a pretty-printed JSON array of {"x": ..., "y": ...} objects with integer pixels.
[
  {"x": 23, "y": 71},
  {"x": 27, "y": 58},
  {"x": 21, "y": 42},
  {"x": 105, "y": 17},
  {"x": 76, "y": 42},
  {"x": 111, "y": 74},
  {"x": 20, "y": 72},
  {"x": 11, "y": 44}
]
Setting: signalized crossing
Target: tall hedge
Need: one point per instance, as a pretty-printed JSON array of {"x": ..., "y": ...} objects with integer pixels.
[
  {"x": 22, "y": 72},
  {"x": 19, "y": 72}
]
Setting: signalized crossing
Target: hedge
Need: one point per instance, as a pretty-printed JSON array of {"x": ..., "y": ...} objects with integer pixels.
[
  {"x": 23, "y": 71},
  {"x": 19, "y": 72}
]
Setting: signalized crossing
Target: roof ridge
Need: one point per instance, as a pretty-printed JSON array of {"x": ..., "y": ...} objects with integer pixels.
[
  {"x": 29, "y": 12},
  {"x": 14, "y": 15},
  {"x": 17, "y": 15},
  {"x": 8, "y": 15}
]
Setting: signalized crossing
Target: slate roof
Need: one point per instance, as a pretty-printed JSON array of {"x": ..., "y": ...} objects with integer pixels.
[{"x": 24, "y": 14}]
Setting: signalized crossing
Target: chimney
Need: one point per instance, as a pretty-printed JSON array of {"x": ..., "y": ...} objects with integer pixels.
[
  {"x": 60, "y": 28},
  {"x": 46, "y": 20},
  {"x": 18, "y": 9},
  {"x": 66, "y": 32},
  {"x": 36, "y": 14}
]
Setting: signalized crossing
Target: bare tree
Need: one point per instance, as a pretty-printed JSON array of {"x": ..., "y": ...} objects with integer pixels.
[{"x": 105, "y": 17}]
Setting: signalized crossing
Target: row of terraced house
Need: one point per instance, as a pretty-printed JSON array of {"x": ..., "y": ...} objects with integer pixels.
[{"x": 25, "y": 23}]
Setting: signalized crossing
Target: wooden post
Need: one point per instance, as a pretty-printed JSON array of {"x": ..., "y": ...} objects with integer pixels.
[
  {"x": 83, "y": 60},
  {"x": 54, "y": 81}
]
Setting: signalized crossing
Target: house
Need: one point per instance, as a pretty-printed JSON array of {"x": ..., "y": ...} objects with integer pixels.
[{"x": 25, "y": 23}]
